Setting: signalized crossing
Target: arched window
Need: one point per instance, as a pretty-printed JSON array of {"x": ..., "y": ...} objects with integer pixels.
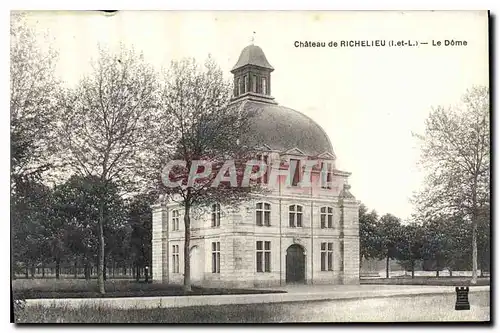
[
  {"x": 175, "y": 220},
  {"x": 295, "y": 216},
  {"x": 215, "y": 215},
  {"x": 326, "y": 216},
  {"x": 254, "y": 83},
  {"x": 263, "y": 214},
  {"x": 264, "y": 86}
]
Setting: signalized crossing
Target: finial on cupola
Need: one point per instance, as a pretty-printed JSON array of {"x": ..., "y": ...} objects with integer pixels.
[{"x": 253, "y": 38}]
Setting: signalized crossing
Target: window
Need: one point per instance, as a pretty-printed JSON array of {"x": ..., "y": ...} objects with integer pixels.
[
  {"x": 327, "y": 256},
  {"x": 263, "y": 159},
  {"x": 215, "y": 215},
  {"x": 263, "y": 256},
  {"x": 264, "y": 86},
  {"x": 175, "y": 258},
  {"x": 175, "y": 220},
  {"x": 263, "y": 214},
  {"x": 254, "y": 83},
  {"x": 326, "y": 175},
  {"x": 295, "y": 216},
  {"x": 238, "y": 86},
  {"x": 296, "y": 172},
  {"x": 245, "y": 84},
  {"x": 215, "y": 257},
  {"x": 326, "y": 215}
]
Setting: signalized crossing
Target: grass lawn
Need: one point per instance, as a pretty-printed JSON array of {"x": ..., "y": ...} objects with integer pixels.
[
  {"x": 429, "y": 281},
  {"x": 79, "y": 288},
  {"x": 386, "y": 309}
]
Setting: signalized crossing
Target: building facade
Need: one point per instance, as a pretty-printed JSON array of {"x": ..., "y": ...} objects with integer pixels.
[{"x": 291, "y": 234}]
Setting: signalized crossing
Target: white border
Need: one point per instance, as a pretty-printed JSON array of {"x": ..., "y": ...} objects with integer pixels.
[{"x": 187, "y": 5}]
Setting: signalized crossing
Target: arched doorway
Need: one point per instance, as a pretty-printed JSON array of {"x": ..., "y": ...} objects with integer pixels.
[
  {"x": 295, "y": 264},
  {"x": 195, "y": 265}
]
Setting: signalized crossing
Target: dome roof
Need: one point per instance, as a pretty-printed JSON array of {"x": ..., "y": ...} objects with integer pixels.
[
  {"x": 252, "y": 55},
  {"x": 283, "y": 129}
]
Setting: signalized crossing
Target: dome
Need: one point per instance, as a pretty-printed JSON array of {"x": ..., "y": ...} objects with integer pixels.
[
  {"x": 282, "y": 129},
  {"x": 277, "y": 127},
  {"x": 252, "y": 55}
]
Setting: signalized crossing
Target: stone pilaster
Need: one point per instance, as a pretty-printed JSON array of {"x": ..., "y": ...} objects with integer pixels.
[
  {"x": 349, "y": 237},
  {"x": 160, "y": 243}
]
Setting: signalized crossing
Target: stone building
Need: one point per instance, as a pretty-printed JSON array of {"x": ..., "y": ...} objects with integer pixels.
[{"x": 292, "y": 234}]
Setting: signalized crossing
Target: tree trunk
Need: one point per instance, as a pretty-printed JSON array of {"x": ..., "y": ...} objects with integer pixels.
[
  {"x": 100, "y": 266},
  {"x": 438, "y": 266},
  {"x": 474, "y": 230},
  {"x": 474, "y": 251},
  {"x": 105, "y": 271},
  {"x": 87, "y": 270},
  {"x": 137, "y": 273},
  {"x": 387, "y": 266},
  {"x": 32, "y": 271},
  {"x": 58, "y": 267},
  {"x": 27, "y": 271},
  {"x": 43, "y": 270},
  {"x": 187, "y": 238},
  {"x": 76, "y": 270},
  {"x": 412, "y": 269}
]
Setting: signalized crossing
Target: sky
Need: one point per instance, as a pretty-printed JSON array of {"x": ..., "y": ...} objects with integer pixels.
[{"x": 369, "y": 100}]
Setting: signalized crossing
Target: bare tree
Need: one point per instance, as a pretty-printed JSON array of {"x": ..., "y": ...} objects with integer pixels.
[
  {"x": 106, "y": 125},
  {"x": 33, "y": 91},
  {"x": 196, "y": 106},
  {"x": 456, "y": 158}
]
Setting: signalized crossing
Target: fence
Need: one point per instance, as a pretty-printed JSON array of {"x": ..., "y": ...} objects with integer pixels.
[
  {"x": 69, "y": 272},
  {"x": 402, "y": 273}
]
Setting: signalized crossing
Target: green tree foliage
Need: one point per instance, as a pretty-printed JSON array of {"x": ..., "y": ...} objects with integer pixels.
[
  {"x": 447, "y": 243},
  {"x": 106, "y": 125},
  {"x": 391, "y": 234},
  {"x": 59, "y": 225},
  {"x": 456, "y": 158},
  {"x": 30, "y": 210},
  {"x": 409, "y": 245},
  {"x": 484, "y": 239},
  {"x": 76, "y": 206},
  {"x": 33, "y": 92},
  {"x": 370, "y": 237},
  {"x": 139, "y": 215},
  {"x": 439, "y": 243},
  {"x": 33, "y": 87}
]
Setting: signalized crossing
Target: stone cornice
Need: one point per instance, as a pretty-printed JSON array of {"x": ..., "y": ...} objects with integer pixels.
[{"x": 341, "y": 173}]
